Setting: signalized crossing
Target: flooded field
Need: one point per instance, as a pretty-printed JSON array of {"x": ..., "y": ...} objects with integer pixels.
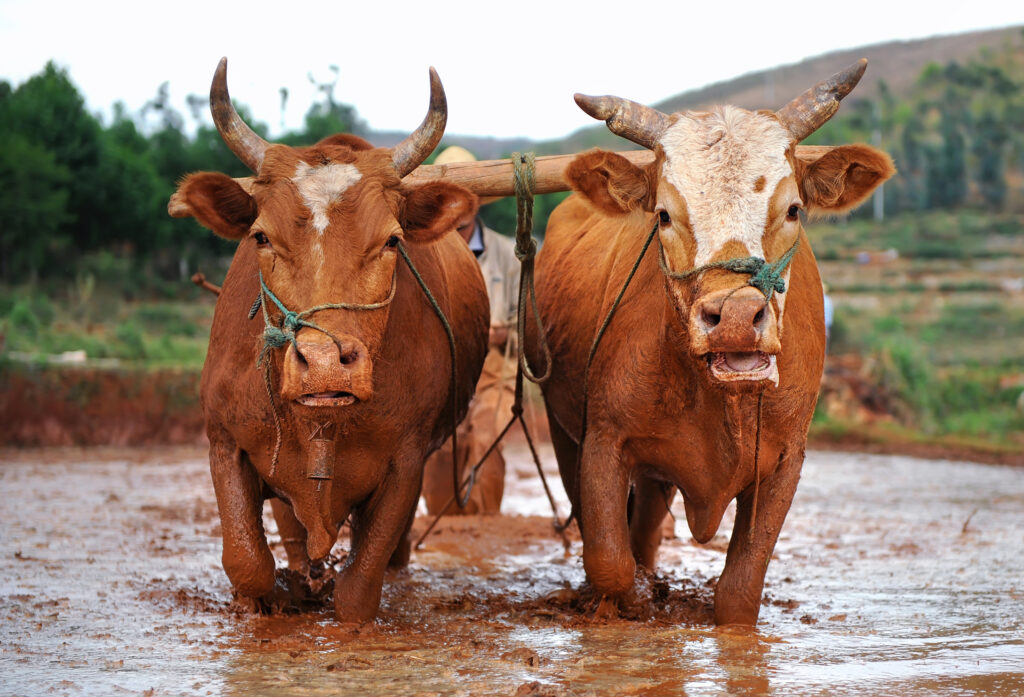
[{"x": 892, "y": 576}]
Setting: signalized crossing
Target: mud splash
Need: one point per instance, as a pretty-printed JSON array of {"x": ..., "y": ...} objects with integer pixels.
[{"x": 892, "y": 575}]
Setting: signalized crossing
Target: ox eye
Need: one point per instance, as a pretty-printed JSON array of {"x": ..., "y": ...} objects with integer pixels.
[
  {"x": 664, "y": 218},
  {"x": 793, "y": 213},
  {"x": 261, "y": 238},
  {"x": 392, "y": 242}
]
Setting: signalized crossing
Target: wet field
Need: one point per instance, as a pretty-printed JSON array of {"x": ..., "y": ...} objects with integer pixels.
[{"x": 892, "y": 576}]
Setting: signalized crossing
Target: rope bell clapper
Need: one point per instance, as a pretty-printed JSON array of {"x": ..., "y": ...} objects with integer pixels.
[{"x": 525, "y": 250}]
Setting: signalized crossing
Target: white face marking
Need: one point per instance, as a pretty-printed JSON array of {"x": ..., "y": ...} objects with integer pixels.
[
  {"x": 320, "y": 187},
  {"x": 713, "y": 162}
]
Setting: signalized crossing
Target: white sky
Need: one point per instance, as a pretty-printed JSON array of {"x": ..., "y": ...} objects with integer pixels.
[{"x": 509, "y": 70}]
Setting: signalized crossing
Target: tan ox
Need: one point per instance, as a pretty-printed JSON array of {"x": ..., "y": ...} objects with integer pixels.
[
  {"x": 328, "y": 396},
  {"x": 699, "y": 370}
]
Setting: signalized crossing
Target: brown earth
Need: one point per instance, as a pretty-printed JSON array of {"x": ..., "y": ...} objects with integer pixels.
[{"x": 892, "y": 576}]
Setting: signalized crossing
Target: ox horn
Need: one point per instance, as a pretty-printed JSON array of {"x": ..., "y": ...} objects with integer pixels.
[
  {"x": 809, "y": 112},
  {"x": 411, "y": 152},
  {"x": 243, "y": 141},
  {"x": 636, "y": 122}
]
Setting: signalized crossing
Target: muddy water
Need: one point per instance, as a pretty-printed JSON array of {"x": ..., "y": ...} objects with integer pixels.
[{"x": 892, "y": 576}]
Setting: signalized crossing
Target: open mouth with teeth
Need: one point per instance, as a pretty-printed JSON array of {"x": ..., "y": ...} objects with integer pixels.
[
  {"x": 747, "y": 365},
  {"x": 328, "y": 399}
]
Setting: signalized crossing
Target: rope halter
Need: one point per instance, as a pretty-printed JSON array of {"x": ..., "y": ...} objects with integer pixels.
[
  {"x": 275, "y": 337},
  {"x": 765, "y": 276}
]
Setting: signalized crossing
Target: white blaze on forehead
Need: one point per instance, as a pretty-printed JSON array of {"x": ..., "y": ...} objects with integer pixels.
[
  {"x": 714, "y": 161},
  {"x": 321, "y": 186}
]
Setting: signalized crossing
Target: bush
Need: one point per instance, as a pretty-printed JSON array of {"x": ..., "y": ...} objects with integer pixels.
[{"x": 131, "y": 344}]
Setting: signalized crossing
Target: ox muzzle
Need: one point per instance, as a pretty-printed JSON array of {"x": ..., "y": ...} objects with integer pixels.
[
  {"x": 736, "y": 327},
  {"x": 737, "y": 331},
  {"x": 326, "y": 371}
]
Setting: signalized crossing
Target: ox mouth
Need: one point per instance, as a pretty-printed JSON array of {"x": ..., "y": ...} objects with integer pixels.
[
  {"x": 327, "y": 399},
  {"x": 736, "y": 366}
]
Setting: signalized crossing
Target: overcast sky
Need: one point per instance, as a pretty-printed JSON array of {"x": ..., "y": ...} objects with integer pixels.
[{"x": 509, "y": 70}]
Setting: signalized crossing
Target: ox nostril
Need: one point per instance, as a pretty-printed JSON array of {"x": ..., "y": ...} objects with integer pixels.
[
  {"x": 711, "y": 319},
  {"x": 348, "y": 355},
  {"x": 758, "y": 317}
]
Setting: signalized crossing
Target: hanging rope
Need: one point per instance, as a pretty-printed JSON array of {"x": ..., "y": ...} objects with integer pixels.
[
  {"x": 454, "y": 384},
  {"x": 590, "y": 359},
  {"x": 526, "y": 250}
]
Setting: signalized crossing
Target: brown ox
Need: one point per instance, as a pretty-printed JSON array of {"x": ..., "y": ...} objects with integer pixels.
[
  {"x": 697, "y": 372},
  {"x": 353, "y": 398}
]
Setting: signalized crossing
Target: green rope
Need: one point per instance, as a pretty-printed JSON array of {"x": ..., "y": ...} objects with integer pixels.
[
  {"x": 590, "y": 359},
  {"x": 765, "y": 276}
]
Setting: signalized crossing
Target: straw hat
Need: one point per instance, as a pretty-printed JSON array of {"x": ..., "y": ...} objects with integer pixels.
[{"x": 455, "y": 154}]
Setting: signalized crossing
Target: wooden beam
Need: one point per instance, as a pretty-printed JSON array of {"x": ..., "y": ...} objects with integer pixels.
[{"x": 493, "y": 178}]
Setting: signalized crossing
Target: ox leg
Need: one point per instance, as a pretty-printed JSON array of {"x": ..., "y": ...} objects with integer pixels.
[
  {"x": 377, "y": 528},
  {"x": 293, "y": 535},
  {"x": 738, "y": 593},
  {"x": 604, "y": 489},
  {"x": 651, "y": 499},
  {"x": 566, "y": 453},
  {"x": 400, "y": 557},
  {"x": 247, "y": 559}
]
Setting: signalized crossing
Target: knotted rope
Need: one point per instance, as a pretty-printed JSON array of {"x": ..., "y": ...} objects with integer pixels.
[{"x": 765, "y": 276}]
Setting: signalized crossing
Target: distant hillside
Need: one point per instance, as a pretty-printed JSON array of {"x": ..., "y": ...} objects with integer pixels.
[{"x": 898, "y": 63}]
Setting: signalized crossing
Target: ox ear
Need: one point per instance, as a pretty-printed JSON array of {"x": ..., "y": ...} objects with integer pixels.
[
  {"x": 843, "y": 178},
  {"x": 433, "y": 209},
  {"x": 217, "y": 202},
  {"x": 610, "y": 182}
]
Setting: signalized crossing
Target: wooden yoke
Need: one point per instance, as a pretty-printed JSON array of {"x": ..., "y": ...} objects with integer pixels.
[{"x": 493, "y": 178}]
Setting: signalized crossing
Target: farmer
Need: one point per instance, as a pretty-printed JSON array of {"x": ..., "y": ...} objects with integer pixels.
[{"x": 491, "y": 407}]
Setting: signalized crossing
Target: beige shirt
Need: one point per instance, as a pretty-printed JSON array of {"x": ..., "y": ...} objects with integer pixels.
[{"x": 500, "y": 270}]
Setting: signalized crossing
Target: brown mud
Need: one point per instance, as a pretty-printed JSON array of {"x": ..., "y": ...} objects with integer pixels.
[{"x": 892, "y": 576}]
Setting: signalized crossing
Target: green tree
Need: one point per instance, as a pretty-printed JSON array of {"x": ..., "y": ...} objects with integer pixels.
[
  {"x": 34, "y": 213},
  {"x": 988, "y": 148}
]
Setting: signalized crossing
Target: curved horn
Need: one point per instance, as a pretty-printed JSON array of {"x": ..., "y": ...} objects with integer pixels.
[
  {"x": 636, "y": 122},
  {"x": 809, "y": 112},
  {"x": 411, "y": 152},
  {"x": 243, "y": 141}
]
